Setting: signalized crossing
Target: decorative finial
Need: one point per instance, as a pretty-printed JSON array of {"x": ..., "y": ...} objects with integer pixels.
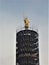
[{"x": 26, "y": 21}]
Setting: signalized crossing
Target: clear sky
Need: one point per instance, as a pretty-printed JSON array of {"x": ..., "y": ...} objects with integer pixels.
[{"x": 11, "y": 17}]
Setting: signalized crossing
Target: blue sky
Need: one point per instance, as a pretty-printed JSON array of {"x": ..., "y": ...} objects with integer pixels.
[
  {"x": 11, "y": 18},
  {"x": 30, "y": 8}
]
